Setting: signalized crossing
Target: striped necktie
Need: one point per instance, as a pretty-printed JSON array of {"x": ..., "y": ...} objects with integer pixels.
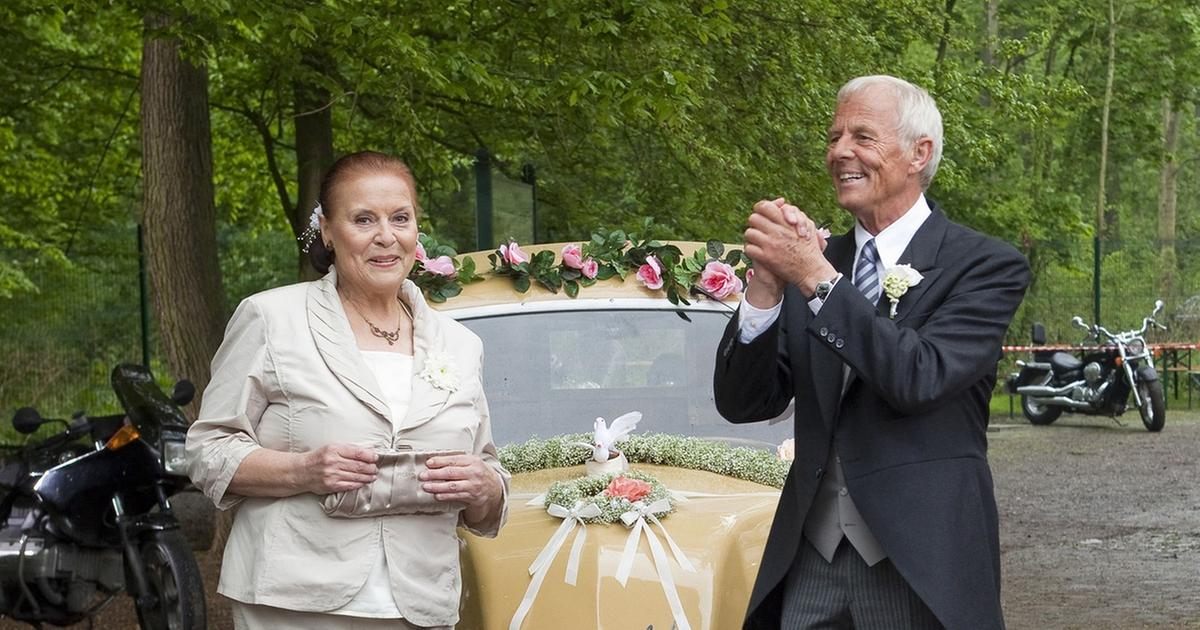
[{"x": 865, "y": 276}]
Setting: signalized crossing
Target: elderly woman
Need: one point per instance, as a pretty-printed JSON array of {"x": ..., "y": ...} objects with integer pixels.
[{"x": 346, "y": 422}]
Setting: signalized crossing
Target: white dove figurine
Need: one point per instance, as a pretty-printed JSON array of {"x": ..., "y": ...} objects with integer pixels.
[{"x": 606, "y": 437}]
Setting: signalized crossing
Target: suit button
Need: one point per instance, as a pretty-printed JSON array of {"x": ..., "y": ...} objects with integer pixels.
[
  {"x": 820, "y": 472},
  {"x": 824, "y": 331},
  {"x": 839, "y": 343},
  {"x": 843, "y": 492},
  {"x": 831, "y": 337}
]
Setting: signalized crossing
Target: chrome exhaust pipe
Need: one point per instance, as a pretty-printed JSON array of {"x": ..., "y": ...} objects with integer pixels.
[
  {"x": 1043, "y": 391},
  {"x": 1063, "y": 401}
]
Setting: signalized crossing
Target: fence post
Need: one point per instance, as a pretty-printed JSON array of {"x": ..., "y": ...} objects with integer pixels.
[
  {"x": 1096, "y": 278},
  {"x": 483, "y": 200}
]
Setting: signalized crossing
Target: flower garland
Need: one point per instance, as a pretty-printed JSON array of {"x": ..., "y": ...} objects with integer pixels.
[
  {"x": 678, "y": 451},
  {"x": 437, "y": 272},
  {"x": 661, "y": 266},
  {"x": 711, "y": 272},
  {"x": 614, "y": 494}
]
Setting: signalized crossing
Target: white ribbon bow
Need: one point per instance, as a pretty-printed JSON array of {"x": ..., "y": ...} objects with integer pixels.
[
  {"x": 541, "y": 564},
  {"x": 636, "y": 520}
]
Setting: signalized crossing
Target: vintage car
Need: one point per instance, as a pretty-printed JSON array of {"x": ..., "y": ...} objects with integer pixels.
[{"x": 685, "y": 556}]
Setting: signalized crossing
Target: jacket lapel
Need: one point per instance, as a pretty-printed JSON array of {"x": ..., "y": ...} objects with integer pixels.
[
  {"x": 337, "y": 347},
  {"x": 825, "y": 365},
  {"x": 428, "y": 339},
  {"x": 921, "y": 253}
]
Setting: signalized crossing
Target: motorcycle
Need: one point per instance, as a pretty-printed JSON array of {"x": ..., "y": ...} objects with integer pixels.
[
  {"x": 1101, "y": 383},
  {"x": 82, "y": 522}
]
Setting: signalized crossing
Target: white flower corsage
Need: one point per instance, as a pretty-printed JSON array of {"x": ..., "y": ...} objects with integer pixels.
[
  {"x": 440, "y": 371},
  {"x": 896, "y": 282}
]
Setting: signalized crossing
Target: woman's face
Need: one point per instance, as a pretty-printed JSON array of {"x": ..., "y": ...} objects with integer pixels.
[{"x": 372, "y": 227}]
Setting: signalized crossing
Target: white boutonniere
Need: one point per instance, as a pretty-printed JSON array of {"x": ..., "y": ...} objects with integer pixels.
[
  {"x": 896, "y": 282},
  {"x": 440, "y": 371}
]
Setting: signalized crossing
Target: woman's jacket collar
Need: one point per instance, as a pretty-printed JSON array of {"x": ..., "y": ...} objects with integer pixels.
[{"x": 336, "y": 344}]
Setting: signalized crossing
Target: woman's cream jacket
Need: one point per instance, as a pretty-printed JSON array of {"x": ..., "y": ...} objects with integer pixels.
[{"x": 289, "y": 377}]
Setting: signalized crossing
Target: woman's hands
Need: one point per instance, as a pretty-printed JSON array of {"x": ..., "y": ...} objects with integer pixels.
[
  {"x": 337, "y": 468},
  {"x": 464, "y": 478}
]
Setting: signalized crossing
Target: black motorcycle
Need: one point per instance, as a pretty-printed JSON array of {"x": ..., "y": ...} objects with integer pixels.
[
  {"x": 1102, "y": 383},
  {"x": 84, "y": 521}
]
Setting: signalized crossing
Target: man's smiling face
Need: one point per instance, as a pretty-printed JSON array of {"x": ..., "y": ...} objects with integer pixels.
[{"x": 871, "y": 166}]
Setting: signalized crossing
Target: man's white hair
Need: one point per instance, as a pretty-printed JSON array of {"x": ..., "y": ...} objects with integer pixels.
[{"x": 917, "y": 116}]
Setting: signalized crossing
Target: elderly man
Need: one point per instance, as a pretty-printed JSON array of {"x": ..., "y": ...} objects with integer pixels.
[{"x": 887, "y": 519}]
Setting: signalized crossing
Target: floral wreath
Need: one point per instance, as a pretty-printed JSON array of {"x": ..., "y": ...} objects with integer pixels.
[
  {"x": 677, "y": 451},
  {"x": 614, "y": 493},
  {"x": 711, "y": 272}
]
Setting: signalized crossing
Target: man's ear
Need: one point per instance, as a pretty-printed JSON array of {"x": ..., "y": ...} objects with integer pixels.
[{"x": 922, "y": 152}]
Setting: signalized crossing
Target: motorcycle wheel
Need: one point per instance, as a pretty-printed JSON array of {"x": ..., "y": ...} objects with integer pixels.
[
  {"x": 1154, "y": 407},
  {"x": 1037, "y": 413},
  {"x": 174, "y": 579}
]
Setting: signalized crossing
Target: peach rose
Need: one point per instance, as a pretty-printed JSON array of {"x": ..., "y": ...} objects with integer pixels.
[
  {"x": 786, "y": 450},
  {"x": 626, "y": 488},
  {"x": 719, "y": 280},
  {"x": 590, "y": 268},
  {"x": 651, "y": 273},
  {"x": 572, "y": 256},
  {"x": 512, "y": 253},
  {"x": 442, "y": 266}
]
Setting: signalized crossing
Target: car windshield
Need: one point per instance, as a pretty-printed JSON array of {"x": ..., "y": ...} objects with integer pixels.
[{"x": 554, "y": 372}]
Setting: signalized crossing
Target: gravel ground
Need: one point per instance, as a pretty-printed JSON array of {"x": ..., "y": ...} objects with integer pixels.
[{"x": 1100, "y": 526}]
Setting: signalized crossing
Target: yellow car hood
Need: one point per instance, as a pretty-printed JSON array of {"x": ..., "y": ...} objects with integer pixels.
[{"x": 720, "y": 523}]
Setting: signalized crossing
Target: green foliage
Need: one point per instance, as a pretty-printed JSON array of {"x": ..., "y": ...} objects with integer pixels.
[{"x": 683, "y": 113}]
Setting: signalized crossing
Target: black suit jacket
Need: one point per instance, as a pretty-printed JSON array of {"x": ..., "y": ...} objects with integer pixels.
[{"x": 911, "y": 427}]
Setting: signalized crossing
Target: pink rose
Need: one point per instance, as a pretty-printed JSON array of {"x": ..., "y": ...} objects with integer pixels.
[
  {"x": 626, "y": 488},
  {"x": 749, "y": 275},
  {"x": 719, "y": 280},
  {"x": 590, "y": 268},
  {"x": 651, "y": 273},
  {"x": 572, "y": 256},
  {"x": 786, "y": 450},
  {"x": 442, "y": 266},
  {"x": 421, "y": 255},
  {"x": 512, "y": 254}
]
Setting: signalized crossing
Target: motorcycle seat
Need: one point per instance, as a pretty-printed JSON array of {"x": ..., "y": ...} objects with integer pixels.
[{"x": 1062, "y": 362}]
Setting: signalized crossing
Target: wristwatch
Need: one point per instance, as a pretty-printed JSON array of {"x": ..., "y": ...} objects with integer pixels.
[{"x": 825, "y": 286}]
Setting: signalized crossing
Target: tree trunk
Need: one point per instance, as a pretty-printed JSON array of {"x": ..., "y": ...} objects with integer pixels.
[
  {"x": 992, "y": 35},
  {"x": 314, "y": 148},
  {"x": 1167, "y": 200},
  {"x": 944, "y": 40},
  {"x": 179, "y": 211}
]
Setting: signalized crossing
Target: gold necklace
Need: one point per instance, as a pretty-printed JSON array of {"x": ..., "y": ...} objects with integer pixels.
[{"x": 391, "y": 337}]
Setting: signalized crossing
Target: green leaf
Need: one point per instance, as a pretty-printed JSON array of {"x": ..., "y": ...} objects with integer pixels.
[
  {"x": 451, "y": 289},
  {"x": 734, "y": 257},
  {"x": 605, "y": 272},
  {"x": 572, "y": 288},
  {"x": 571, "y": 274},
  {"x": 521, "y": 284},
  {"x": 715, "y": 249}
]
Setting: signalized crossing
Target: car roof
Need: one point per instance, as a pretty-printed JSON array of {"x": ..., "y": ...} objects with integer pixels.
[{"x": 496, "y": 290}]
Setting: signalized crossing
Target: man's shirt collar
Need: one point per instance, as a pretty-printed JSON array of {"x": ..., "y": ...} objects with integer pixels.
[{"x": 892, "y": 241}]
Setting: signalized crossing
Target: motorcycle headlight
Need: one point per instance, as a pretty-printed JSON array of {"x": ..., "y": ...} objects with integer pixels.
[
  {"x": 174, "y": 457},
  {"x": 1137, "y": 346}
]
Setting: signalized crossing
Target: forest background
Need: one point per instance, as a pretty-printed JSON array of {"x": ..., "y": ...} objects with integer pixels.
[{"x": 208, "y": 122}]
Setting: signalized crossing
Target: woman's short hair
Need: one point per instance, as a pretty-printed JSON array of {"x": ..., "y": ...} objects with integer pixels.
[
  {"x": 917, "y": 116},
  {"x": 344, "y": 169}
]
